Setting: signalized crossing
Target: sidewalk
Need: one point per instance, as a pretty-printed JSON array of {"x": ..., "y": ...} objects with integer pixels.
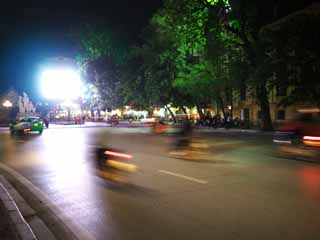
[
  {"x": 32, "y": 214},
  {"x": 238, "y": 130},
  {"x": 124, "y": 124},
  {"x": 6, "y": 230},
  {"x": 72, "y": 125},
  {"x": 21, "y": 220},
  {"x": 12, "y": 222}
]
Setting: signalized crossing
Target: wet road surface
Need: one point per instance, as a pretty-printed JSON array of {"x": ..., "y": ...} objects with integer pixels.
[{"x": 243, "y": 191}]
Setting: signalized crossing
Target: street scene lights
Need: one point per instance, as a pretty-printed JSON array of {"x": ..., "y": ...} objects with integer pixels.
[
  {"x": 60, "y": 84},
  {"x": 7, "y": 104}
]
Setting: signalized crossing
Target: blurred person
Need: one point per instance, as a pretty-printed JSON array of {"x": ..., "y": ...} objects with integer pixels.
[
  {"x": 183, "y": 135},
  {"x": 156, "y": 125},
  {"x": 227, "y": 120},
  {"x": 236, "y": 122},
  {"x": 45, "y": 120},
  {"x": 187, "y": 147},
  {"x": 208, "y": 120},
  {"x": 214, "y": 121},
  {"x": 218, "y": 120}
]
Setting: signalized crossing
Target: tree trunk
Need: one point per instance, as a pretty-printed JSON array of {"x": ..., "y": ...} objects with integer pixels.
[
  {"x": 266, "y": 122},
  {"x": 231, "y": 103},
  {"x": 171, "y": 113},
  {"x": 201, "y": 114},
  {"x": 220, "y": 101},
  {"x": 184, "y": 111},
  {"x": 150, "y": 112}
]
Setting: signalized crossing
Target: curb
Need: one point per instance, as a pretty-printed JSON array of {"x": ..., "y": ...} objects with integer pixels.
[
  {"x": 235, "y": 131},
  {"x": 94, "y": 126},
  {"x": 38, "y": 227},
  {"x": 76, "y": 229},
  {"x": 19, "y": 223}
]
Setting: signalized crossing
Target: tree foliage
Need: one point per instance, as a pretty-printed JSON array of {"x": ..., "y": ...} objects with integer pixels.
[
  {"x": 102, "y": 53},
  {"x": 293, "y": 51},
  {"x": 196, "y": 53}
]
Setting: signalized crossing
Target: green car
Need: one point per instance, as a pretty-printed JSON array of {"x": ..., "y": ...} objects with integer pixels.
[{"x": 26, "y": 125}]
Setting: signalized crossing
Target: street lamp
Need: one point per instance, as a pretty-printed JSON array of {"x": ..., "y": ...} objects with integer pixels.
[
  {"x": 7, "y": 104},
  {"x": 61, "y": 84}
]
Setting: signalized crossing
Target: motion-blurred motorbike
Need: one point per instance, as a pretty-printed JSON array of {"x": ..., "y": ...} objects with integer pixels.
[
  {"x": 159, "y": 127},
  {"x": 299, "y": 138},
  {"x": 187, "y": 147},
  {"x": 113, "y": 164}
]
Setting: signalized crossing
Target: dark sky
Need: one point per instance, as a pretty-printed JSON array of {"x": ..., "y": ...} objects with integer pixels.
[{"x": 31, "y": 33}]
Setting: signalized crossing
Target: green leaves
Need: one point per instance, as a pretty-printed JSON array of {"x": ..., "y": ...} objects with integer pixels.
[
  {"x": 215, "y": 2},
  {"x": 101, "y": 42},
  {"x": 102, "y": 53}
]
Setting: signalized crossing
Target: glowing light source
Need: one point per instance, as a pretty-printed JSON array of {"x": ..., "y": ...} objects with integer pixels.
[
  {"x": 122, "y": 166},
  {"x": 282, "y": 141},
  {"x": 60, "y": 84},
  {"x": 7, "y": 104},
  {"x": 311, "y": 141},
  {"x": 116, "y": 154},
  {"x": 70, "y": 104},
  {"x": 312, "y": 138}
]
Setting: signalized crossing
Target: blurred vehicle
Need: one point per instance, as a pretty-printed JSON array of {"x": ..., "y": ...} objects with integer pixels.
[
  {"x": 113, "y": 120},
  {"x": 187, "y": 147},
  {"x": 148, "y": 120},
  {"x": 159, "y": 125},
  {"x": 26, "y": 125},
  {"x": 300, "y": 136},
  {"x": 113, "y": 164}
]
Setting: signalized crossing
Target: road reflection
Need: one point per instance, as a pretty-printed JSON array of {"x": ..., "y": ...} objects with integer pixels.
[
  {"x": 310, "y": 177},
  {"x": 67, "y": 156}
]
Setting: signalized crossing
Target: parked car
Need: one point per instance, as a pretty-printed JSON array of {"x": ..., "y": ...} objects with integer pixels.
[{"x": 26, "y": 125}]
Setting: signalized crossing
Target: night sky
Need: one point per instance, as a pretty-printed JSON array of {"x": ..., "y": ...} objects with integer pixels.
[{"x": 30, "y": 34}]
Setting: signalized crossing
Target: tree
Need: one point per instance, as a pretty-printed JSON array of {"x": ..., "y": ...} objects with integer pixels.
[
  {"x": 245, "y": 19},
  {"x": 150, "y": 71},
  {"x": 291, "y": 41},
  {"x": 102, "y": 52},
  {"x": 241, "y": 22},
  {"x": 204, "y": 52}
]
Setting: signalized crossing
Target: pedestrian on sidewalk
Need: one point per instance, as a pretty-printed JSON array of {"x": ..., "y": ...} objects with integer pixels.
[{"x": 227, "y": 122}]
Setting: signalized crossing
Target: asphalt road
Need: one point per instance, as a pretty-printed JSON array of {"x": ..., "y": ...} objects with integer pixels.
[{"x": 243, "y": 190}]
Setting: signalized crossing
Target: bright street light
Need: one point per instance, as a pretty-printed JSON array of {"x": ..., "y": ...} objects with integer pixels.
[
  {"x": 7, "y": 104},
  {"x": 61, "y": 84}
]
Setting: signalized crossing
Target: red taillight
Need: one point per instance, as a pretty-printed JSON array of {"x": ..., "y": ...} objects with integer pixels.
[
  {"x": 311, "y": 141},
  {"x": 116, "y": 154},
  {"x": 311, "y": 138}
]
